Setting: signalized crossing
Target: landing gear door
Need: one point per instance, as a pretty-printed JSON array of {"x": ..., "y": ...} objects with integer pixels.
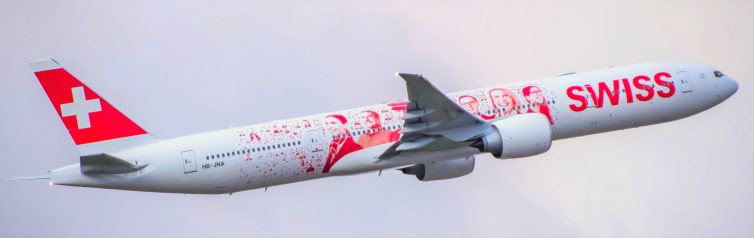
[
  {"x": 684, "y": 80},
  {"x": 189, "y": 161}
]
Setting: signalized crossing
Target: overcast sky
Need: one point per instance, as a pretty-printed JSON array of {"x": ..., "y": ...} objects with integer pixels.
[{"x": 178, "y": 68}]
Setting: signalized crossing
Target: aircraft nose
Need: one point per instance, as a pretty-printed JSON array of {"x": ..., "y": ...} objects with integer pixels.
[
  {"x": 730, "y": 87},
  {"x": 733, "y": 86}
]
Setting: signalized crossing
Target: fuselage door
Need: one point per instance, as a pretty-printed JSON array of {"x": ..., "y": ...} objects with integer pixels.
[
  {"x": 189, "y": 161},
  {"x": 684, "y": 80},
  {"x": 315, "y": 140}
]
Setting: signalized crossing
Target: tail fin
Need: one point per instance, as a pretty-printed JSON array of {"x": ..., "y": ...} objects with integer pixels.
[{"x": 94, "y": 125}]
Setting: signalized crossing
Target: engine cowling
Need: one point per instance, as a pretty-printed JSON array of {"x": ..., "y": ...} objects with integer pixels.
[
  {"x": 517, "y": 136},
  {"x": 439, "y": 170}
]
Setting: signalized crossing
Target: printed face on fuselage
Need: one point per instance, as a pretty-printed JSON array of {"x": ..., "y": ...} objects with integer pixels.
[
  {"x": 469, "y": 103},
  {"x": 535, "y": 95},
  {"x": 334, "y": 126},
  {"x": 371, "y": 119},
  {"x": 503, "y": 100}
]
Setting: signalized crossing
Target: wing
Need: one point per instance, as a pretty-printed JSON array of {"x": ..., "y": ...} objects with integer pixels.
[{"x": 433, "y": 121}]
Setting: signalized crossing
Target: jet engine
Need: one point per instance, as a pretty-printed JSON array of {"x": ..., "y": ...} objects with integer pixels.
[
  {"x": 517, "y": 136},
  {"x": 438, "y": 170}
]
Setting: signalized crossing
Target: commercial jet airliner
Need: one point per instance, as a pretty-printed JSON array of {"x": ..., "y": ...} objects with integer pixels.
[{"x": 431, "y": 135}]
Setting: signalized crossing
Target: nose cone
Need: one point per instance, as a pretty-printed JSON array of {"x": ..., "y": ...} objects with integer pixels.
[{"x": 729, "y": 87}]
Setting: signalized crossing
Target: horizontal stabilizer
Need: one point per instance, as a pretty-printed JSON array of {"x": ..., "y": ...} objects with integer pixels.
[
  {"x": 107, "y": 164},
  {"x": 38, "y": 177}
]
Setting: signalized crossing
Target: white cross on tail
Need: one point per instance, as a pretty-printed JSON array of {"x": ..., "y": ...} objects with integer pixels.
[{"x": 80, "y": 107}]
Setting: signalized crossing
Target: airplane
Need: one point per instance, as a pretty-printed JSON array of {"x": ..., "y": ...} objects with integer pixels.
[{"x": 431, "y": 135}]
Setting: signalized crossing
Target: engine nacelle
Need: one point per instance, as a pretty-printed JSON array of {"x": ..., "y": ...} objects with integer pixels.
[
  {"x": 517, "y": 136},
  {"x": 438, "y": 170}
]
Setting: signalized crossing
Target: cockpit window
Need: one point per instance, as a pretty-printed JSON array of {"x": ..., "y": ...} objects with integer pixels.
[{"x": 719, "y": 74}]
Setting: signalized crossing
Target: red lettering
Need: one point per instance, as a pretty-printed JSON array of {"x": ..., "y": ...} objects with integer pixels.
[
  {"x": 650, "y": 91},
  {"x": 643, "y": 84},
  {"x": 571, "y": 91},
  {"x": 599, "y": 99},
  {"x": 612, "y": 93},
  {"x": 629, "y": 94},
  {"x": 667, "y": 84},
  {"x": 597, "y": 103}
]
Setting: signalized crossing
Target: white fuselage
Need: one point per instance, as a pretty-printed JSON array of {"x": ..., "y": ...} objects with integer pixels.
[{"x": 299, "y": 149}]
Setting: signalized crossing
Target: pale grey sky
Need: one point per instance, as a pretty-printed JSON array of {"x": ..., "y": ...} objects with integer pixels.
[{"x": 178, "y": 67}]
